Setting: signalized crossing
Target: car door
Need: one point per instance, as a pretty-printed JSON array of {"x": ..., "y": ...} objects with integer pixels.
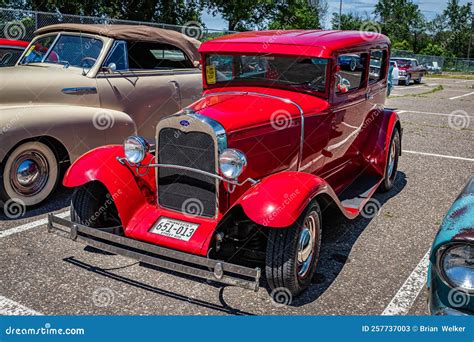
[
  {"x": 134, "y": 80},
  {"x": 349, "y": 109}
]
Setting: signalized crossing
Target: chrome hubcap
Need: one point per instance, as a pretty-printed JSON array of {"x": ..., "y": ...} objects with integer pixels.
[
  {"x": 306, "y": 242},
  {"x": 391, "y": 160},
  {"x": 29, "y": 173}
]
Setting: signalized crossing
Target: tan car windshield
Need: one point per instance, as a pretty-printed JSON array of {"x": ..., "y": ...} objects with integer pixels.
[{"x": 69, "y": 50}]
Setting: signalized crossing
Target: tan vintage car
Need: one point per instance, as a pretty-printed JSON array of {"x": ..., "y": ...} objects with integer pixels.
[{"x": 77, "y": 87}]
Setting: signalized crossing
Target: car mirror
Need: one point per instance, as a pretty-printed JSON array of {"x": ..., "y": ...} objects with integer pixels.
[{"x": 110, "y": 68}]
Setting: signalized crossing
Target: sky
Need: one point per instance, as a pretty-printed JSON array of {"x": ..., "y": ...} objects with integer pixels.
[{"x": 429, "y": 8}]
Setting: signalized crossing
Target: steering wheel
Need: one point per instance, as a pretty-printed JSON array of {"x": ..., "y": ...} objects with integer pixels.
[
  {"x": 88, "y": 59},
  {"x": 316, "y": 82}
]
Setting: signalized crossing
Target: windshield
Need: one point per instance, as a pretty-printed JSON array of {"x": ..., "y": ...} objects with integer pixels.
[
  {"x": 402, "y": 62},
  {"x": 78, "y": 51},
  {"x": 295, "y": 72}
]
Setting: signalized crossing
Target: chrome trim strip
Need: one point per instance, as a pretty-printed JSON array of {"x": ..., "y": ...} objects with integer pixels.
[
  {"x": 284, "y": 99},
  {"x": 79, "y": 90},
  {"x": 219, "y": 130}
]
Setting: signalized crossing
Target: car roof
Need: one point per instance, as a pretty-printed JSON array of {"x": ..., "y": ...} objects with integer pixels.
[
  {"x": 133, "y": 33},
  {"x": 12, "y": 42},
  {"x": 316, "y": 43}
]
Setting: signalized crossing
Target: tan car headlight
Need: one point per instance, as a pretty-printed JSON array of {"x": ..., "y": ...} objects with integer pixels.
[
  {"x": 232, "y": 163},
  {"x": 135, "y": 148},
  {"x": 457, "y": 265}
]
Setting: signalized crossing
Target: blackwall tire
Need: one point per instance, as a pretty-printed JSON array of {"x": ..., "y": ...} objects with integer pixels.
[
  {"x": 93, "y": 206},
  {"x": 287, "y": 264},
  {"x": 29, "y": 174},
  {"x": 391, "y": 166}
]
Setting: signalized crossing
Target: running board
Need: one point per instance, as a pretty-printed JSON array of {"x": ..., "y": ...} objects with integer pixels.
[
  {"x": 198, "y": 266},
  {"x": 360, "y": 191}
]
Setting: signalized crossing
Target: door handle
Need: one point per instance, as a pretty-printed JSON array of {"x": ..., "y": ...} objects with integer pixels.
[
  {"x": 369, "y": 96},
  {"x": 177, "y": 93}
]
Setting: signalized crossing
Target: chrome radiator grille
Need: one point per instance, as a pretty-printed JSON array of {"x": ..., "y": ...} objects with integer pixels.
[{"x": 182, "y": 190}]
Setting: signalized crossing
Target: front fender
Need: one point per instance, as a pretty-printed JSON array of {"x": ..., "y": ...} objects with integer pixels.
[
  {"x": 129, "y": 190},
  {"x": 68, "y": 124},
  {"x": 278, "y": 200}
]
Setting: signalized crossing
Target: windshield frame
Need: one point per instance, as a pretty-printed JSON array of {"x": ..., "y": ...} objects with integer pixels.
[
  {"x": 53, "y": 44},
  {"x": 234, "y": 83}
]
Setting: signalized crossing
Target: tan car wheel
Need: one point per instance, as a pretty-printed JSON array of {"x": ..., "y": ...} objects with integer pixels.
[{"x": 30, "y": 173}]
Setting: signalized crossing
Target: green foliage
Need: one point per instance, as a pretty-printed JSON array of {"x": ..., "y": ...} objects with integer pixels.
[
  {"x": 433, "y": 49},
  {"x": 349, "y": 21},
  {"x": 402, "y": 45},
  {"x": 297, "y": 14}
]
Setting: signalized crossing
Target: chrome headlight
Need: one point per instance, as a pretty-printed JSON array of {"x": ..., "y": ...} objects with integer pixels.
[
  {"x": 135, "y": 148},
  {"x": 232, "y": 163},
  {"x": 402, "y": 72},
  {"x": 457, "y": 263}
]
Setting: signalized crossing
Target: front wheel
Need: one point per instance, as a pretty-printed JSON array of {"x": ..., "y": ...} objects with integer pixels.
[
  {"x": 292, "y": 253},
  {"x": 392, "y": 162},
  {"x": 407, "y": 80},
  {"x": 29, "y": 174},
  {"x": 93, "y": 206}
]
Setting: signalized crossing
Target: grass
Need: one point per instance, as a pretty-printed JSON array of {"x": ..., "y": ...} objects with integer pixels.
[
  {"x": 455, "y": 76},
  {"x": 431, "y": 91}
]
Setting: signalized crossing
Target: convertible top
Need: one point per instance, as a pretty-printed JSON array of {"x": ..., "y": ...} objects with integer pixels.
[{"x": 133, "y": 33}]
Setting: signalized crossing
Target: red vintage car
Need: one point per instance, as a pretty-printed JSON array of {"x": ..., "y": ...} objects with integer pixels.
[
  {"x": 10, "y": 51},
  {"x": 245, "y": 176}
]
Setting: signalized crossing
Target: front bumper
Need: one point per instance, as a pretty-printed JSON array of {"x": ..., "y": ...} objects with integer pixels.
[{"x": 166, "y": 258}]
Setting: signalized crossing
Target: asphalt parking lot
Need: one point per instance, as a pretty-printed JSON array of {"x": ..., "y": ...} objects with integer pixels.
[{"x": 369, "y": 266}]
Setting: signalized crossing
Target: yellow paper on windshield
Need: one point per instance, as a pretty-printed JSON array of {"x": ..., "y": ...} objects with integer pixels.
[
  {"x": 32, "y": 47},
  {"x": 211, "y": 74}
]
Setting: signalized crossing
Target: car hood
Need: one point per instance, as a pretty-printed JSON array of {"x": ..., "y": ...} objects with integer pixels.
[
  {"x": 458, "y": 224},
  {"x": 37, "y": 83},
  {"x": 237, "y": 109}
]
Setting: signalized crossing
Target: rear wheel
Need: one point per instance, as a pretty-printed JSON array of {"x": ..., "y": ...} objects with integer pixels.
[
  {"x": 292, "y": 253},
  {"x": 30, "y": 174},
  {"x": 93, "y": 206},
  {"x": 392, "y": 162},
  {"x": 418, "y": 81}
]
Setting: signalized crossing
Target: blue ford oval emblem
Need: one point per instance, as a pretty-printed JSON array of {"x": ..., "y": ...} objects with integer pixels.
[{"x": 184, "y": 123}]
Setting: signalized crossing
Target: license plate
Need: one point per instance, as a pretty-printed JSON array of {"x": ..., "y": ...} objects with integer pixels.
[{"x": 175, "y": 229}]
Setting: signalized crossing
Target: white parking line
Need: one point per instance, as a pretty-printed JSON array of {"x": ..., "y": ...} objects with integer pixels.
[
  {"x": 407, "y": 88},
  {"x": 407, "y": 294},
  {"x": 457, "y": 97},
  {"x": 29, "y": 225},
  {"x": 438, "y": 155},
  {"x": 9, "y": 307},
  {"x": 427, "y": 113}
]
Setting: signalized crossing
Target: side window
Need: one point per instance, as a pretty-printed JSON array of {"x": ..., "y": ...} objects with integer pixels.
[
  {"x": 351, "y": 72},
  {"x": 118, "y": 56},
  {"x": 377, "y": 65},
  {"x": 156, "y": 56}
]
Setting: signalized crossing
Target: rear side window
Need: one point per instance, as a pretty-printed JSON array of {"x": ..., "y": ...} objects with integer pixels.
[
  {"x": 377, "y": 65},
  {"x": 351, "y": 72},
  {"x": 156, "y": 56}
]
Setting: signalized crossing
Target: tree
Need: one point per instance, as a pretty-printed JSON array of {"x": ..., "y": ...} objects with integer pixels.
[
  {"x": 298, "y": 14},
  {"x": 434, "y": 50},
  {"x": 457, "y": 21},
  {"x": 241, "y": 14},
  {"x": 350, "y": 21},
  {"x": 401, "y": 20}
]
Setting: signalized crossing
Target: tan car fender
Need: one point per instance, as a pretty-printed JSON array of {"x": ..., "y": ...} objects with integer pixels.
[{"x": 79, "y": 129}]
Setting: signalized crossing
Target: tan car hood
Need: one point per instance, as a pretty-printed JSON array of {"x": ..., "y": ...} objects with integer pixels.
[{"x": 44, "y": 84}]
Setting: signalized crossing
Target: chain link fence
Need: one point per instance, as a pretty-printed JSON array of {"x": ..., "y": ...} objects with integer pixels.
[
  {"x": 21, "y": 24},
  {"x": 437, "y": 64}
]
